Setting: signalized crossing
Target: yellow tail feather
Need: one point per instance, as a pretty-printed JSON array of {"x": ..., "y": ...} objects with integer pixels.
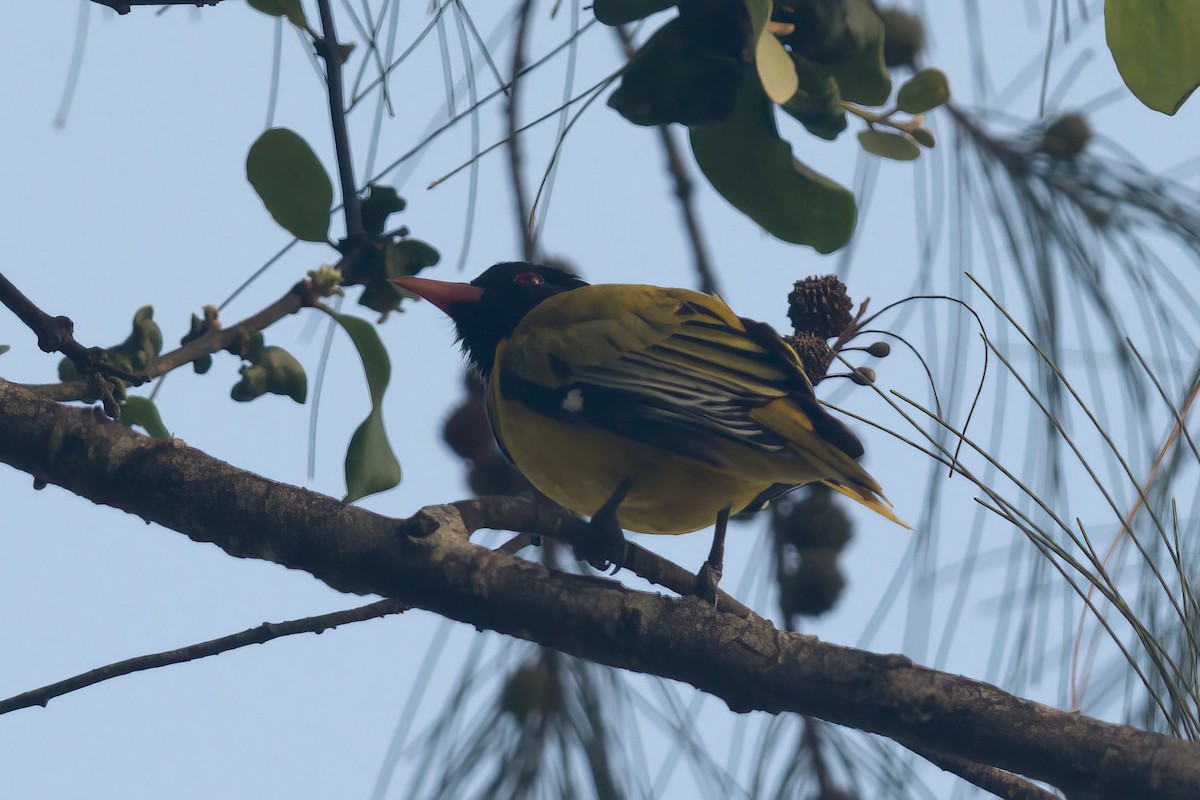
[{"x": 876, "y": 502}]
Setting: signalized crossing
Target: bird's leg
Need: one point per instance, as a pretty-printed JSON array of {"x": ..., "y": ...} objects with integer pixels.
[
  {"x": 710, "y": 573},
  {"x": 606, "y": 545}
]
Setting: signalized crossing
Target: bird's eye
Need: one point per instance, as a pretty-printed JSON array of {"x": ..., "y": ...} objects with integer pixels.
[{"x": 528, "y": 279}]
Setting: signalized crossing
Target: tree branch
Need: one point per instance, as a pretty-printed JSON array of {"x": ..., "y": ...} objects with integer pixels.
[
  {"x": 231, "y": 338},
  {"x": 528, "y": 245},
  {"x": 684, "y": 193},
  {"x": 991, "y": 780},
  {"x": 334, "y": 54},
  {"x": 428, "y": 562},
  {"x": 684, "y": 189},
  {"x": 259, "y": 635},
  {"x": 543, "y": 518},
  {"x": 123, "y": 6},
  {"x": 57, "y": 335}
]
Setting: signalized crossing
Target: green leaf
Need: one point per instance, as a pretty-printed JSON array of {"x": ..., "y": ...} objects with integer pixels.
[
  {"x": 1156, "y": 46},
  {"x": 817, "y": 104},
  {"x": 923, "y": 92},
  {"x": 895, "y": 146},
  {"x": 141, "y": 411},
  {"x": 272, "y": 370},
  {"x": 774, "y": 65},
  {"x": 410, "y": 256},
  {"x": 405, "y": 257},
  {"x": 371, "y": 466},
  {"x": 620, "y": 12},
  {"x": 863, "y": 78},
  {"x": 924, "y": 137},
  {"x": 141, "y": 346},
  {"x": 292, "y": 183},
  {"x": 688, "y": 71},
  {"x": 198, "y": 328},
  {"x": 379, "y": 204},
  {"x": 285, "y": 374},
  {"x": 252, "y": 385},
  {"x": 746, "y": 161},
  {"x": 4, "y": 349},
  {"x": 144, "y": 342},
  {"x": 282, "y": 8}
]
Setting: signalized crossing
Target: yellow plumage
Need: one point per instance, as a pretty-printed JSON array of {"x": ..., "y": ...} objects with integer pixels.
[{"x": 670, "y": 391}]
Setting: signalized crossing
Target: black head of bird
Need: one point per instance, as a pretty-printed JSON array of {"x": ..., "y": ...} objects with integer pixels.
[{"x": 489, "y": 308}]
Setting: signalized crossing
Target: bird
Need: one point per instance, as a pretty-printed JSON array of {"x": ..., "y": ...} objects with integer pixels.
[{"x": 650, "y": 409}]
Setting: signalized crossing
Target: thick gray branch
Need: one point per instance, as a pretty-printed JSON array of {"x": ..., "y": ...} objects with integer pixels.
[{"x": 744, "y": 661}]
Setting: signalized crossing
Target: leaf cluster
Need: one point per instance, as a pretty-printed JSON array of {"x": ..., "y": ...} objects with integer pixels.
[{"x": 722, "y": 67}]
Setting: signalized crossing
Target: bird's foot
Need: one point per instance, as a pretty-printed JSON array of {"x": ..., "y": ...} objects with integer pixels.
[
  {"x": 605, "y": 546},
  {"x": 710, "y": 574},
  {"x": 706, "y": 582}
]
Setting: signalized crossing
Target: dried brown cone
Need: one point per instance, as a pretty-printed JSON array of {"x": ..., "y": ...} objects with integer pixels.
[
  {"x": 820, "y": 306},
  {"x": 492, "y": 474},
  {"x": 815, "y": 355},
  {"x": 467, "y": 431},
  {"x": 814, "y": 588},
  {"x": 813, "y": 521},
  {"x": 809, "y": 534},
  {"x": 1067, "y": 137}
]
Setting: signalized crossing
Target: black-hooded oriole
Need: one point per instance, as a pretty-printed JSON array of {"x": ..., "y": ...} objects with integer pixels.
[{"x": 653, "y": 410}]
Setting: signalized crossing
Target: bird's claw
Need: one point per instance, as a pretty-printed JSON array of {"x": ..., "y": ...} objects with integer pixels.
[{"x": 707, "y": 581}]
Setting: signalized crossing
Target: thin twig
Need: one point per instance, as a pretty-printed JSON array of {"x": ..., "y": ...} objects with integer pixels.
[
  {"x": 684, "y": 191},
  {"x": 56, "y": 335},
  {"x": 217, "y": 339},
  {"x": 514, "y": 146},
  {"x": 334, "y": 54},
  {"x": 990, "y": 779},
  {"x": 263, "y": 633}
]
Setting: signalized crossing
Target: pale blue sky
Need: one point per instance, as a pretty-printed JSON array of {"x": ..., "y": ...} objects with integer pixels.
[{"x": 141, "y": 199}]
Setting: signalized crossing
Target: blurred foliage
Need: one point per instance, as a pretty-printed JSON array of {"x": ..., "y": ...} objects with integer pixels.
[{"x": 721, "y": 67}]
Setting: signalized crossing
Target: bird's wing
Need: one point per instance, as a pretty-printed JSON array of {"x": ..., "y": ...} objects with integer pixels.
[{"x": 667, "y": 367}]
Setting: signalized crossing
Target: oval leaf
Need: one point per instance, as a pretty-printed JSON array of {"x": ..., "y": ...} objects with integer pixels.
[
  {"x": 752, "y": 167},
  {"x": 775, "y": 68},
  {"x": 1155, "y": 47},
  {"x": 370, "y": 465},
  {"x": 924, "y": 137},
  {"x": 923, "y": 92},
  {"x": 292, "y": 183},
  {"x": 895, "y": 146},
  {"x": 142, "y": 412}
]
